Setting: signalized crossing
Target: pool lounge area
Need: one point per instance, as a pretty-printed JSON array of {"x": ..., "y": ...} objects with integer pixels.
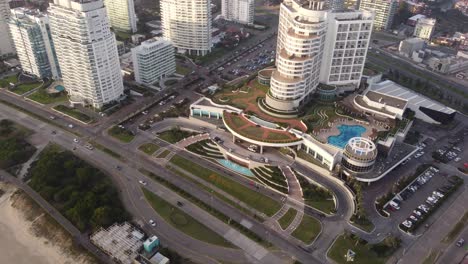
[
  {"x": 236, "y": 167},
  {"x": 346, "y": 133}
]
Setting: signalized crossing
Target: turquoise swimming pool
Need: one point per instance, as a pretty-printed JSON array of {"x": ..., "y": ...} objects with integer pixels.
[
  {"x": 346, "y": 133},
  {"x": 236, "y": 167}
]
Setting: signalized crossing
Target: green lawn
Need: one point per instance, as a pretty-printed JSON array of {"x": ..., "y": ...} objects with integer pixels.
[
  {"x": 73, "y": 112},
  {"x": 287, "y": 218},
  {"x": 326, "y": 206},
  {"x": 175, "y": 135},
  {"x": 308, "y": 229},
  {"x": 121, "y": 134},
  {"x": 5, "y": 82},
  {"x": 432, "y": 257},
  {"x": 184, "y": 222},
  {"x": 250, "y": 197},
  {"x": 182, "y": 70},
  {"x": 41, "y": 96},
  {"x": 364, "y": 253},
  {"x": 163, "y": 154},
  {"x": 367, "y": 225},
  {"x": 148, "y": 148},
  {"x": 26, "y": 87}
]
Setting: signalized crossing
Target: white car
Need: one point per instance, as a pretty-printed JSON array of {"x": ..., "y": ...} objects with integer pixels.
[
  {"x": 76, "y": 140},
  {"x": 142, "y": 182},
  {"x": 407, "y": 223},
  {"x": 152, "y": 223},
  {"x": 457, "y": 159}
]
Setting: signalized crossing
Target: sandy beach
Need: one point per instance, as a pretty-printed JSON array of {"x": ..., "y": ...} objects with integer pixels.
[{"x": 28, "y": 235}]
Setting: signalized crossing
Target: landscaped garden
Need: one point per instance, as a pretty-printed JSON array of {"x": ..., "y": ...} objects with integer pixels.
[
  {"x": 121, "y": 134},
  {"x": 246, "y": 98},
  {"x": 287, "y": 218},
  {"x": 272, "y": 177},
  {"x": 175, "y": 135},
  {"x": 73, "y": 112},
  {"x": 244, "y": 127},
  {"x": 184, "y": 222},
  {"x": 206, "y": 148},
  {"x": 316, "y": 196},
  {"x": 250, "y": 197},
  {"x": 41, "y": 96},
  {"x": 23, "y": 88},
  {"x": 308, "y": 229},
  {"x": 364, "y": 253},
  {"x": 5, "y": 82}
]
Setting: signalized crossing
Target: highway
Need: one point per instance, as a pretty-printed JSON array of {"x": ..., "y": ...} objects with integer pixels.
[{"x": 131, "y": 197}]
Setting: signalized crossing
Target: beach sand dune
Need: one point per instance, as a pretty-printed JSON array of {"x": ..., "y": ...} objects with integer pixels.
[{"x": 29, "y": 235}]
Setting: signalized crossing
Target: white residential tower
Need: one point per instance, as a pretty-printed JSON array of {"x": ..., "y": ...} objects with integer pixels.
[
  {"x": 187, "y": 24},
  {"x": 86, "y": 51},
  {"x": 31, "y": 36},
  {"x": 122, "y": 15},
  {"x": 424, "y": 28},
  {"x": 384, "y": 11},
  {"x": 6, "y": 45},
  {"x": 316, "y": 45},
  {"x": 241, "y": 11},
  {"x": 153, "y": 60}
]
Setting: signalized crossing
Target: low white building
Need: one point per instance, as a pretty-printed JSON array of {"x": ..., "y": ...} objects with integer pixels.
[
  {"x": 426, "y": 109},
  {"x": 152, "y": 60},
  {"x": 408, "y": 46}
]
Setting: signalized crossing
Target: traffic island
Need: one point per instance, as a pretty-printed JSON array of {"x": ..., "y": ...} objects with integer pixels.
[{"x": 349, "y": 247}]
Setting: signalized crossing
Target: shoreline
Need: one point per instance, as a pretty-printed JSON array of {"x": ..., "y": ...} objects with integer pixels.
[{"x": 29, "y": 235}]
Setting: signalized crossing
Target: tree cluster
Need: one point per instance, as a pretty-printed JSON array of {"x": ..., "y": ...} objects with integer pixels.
[{"x": 81, "y": 192}]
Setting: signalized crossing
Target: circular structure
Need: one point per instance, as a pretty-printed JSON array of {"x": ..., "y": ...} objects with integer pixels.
[
  {"x": 264, "y": 76},
  {"x": 359, "y": 155},
  {"x": 326, "y": 92}
]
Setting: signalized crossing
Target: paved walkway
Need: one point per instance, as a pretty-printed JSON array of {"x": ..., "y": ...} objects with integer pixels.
[
  {"x": 295, "y": 191},
  {"x": 27, "y": 164}
]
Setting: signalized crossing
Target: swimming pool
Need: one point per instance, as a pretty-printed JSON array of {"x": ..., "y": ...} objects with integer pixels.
[
  {"x": 59, "y": 88},
  {"x": 346, "y": 133},
  {"x": 235, "y": 167}
]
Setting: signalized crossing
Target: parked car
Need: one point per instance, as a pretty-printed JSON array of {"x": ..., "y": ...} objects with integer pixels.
[
  {"x": 152, "y": 223},
  {"x": 460, "y": 242},
  {"x": 142, "y": 182}
]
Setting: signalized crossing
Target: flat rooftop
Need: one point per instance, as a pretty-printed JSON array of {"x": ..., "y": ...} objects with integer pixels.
[
  {"x": 393, "y": 89},
  {"x": 386, "y": 99}
]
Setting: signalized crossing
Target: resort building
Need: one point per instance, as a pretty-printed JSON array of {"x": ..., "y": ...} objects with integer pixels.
[
  {"x": 424, "y": 28},
  {"x": 87, "y": 52},
  {"x": 359, "y": 156},
  {"x": 315, "y": 45},
  {"x": 384, "y": 11},
  {"x": 388, "y": 96},
  {"x": 241, "y": 11},
  {"x": 122, "y": 15},
  {"x": 152, "y": 60},
  {"x": 6, "y": 44},
  {"x": 30, "y": 31},
  {"x": 187, "y": 24}
]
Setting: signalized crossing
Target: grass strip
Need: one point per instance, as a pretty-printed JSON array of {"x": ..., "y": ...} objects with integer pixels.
[
  {"x": 106, "y": 150},
  {"x": 457, "y": 228},
  {"x": 121, "y": 134},
  {"x": 148, "y": 148},
  {"x": 41, "y": 96},
  {"x": 287, "y": 218},
  {"x": 308, "y": 229},
  {"x": 75, "y": 113},
  {"x": 250, "y": 197},
  {"x": 184, "y": 222},
  {"x": 227, "y": 220},
  {"x": 432, "y": 257},
  {"x": 217, "y": 194},
  {"x": 25, "y": 87},
  {"x": 163, "y": 154},
  {"x": 38, "y": 117}
]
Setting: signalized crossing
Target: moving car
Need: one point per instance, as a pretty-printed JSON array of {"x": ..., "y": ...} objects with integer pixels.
[
  {"x": 142, "y": 182},
  {"x": 460, "y": 242},
  {"x": 152, "y": 223}
]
